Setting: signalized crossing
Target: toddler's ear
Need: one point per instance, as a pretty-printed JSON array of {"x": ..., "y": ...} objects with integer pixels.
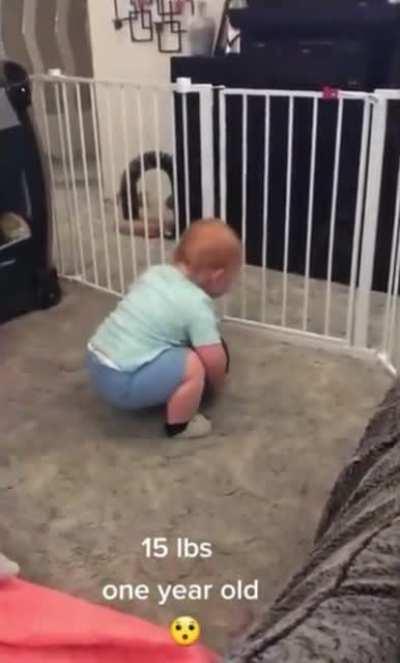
[{"x": 8, "y": 569}]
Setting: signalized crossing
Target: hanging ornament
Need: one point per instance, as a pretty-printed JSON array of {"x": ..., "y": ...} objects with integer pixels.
[{"x": 151, "y": 20}]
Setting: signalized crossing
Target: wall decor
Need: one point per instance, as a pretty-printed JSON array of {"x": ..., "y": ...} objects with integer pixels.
[{"x": 154, "y": 21}]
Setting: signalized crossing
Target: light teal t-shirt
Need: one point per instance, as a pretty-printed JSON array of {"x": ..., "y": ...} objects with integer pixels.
[{"x": 163, "y": 309}]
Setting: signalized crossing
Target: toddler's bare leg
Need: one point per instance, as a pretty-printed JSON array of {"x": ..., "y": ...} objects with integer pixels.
[
  {"x": 182, "y": 420},
  {"x": 185, "y": 402}
]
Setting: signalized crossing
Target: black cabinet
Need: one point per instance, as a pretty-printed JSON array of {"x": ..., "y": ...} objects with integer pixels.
[{"x": 294, "y": 68}]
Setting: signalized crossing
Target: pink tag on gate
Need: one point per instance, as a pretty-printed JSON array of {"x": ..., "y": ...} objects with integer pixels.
[{"x": 330, "y": 92}]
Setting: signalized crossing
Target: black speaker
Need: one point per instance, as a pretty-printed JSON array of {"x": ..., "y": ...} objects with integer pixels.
[
  {"x": 355, "y": 42},
  {"x": 28, "y": 280}
]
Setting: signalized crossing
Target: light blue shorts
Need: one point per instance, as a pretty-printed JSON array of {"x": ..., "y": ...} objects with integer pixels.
[{"x": 149, "y": 386}]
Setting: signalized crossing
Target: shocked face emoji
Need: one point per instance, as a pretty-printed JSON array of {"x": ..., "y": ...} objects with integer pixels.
[{"x": 185, "y": 631}]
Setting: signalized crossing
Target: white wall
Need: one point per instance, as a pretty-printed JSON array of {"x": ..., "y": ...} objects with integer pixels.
[{"x": 115, "y": 57}]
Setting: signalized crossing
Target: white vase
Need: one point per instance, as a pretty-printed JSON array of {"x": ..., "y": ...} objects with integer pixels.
[{"x": 201, "y": 31}]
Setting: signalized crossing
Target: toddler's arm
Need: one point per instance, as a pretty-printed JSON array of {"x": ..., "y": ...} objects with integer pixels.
[
  {"x": 215, "y": 361},
  {"x": 205, "y": 339}
]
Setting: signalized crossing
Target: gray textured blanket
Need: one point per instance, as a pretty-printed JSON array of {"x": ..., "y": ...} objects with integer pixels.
[{"x": 344, "y": 605}]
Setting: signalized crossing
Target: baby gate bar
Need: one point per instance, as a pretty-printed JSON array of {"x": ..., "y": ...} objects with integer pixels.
[{"x": 310, "y": 180}]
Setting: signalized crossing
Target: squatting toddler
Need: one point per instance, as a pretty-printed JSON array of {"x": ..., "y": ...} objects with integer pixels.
[{"x": 162, "y": 343}]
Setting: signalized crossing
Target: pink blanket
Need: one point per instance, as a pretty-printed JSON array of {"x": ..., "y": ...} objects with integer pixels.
[{"x": 39, "y": 625}]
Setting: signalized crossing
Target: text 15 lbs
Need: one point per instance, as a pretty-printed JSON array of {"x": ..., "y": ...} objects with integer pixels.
[{"x": 185, "y": 548}]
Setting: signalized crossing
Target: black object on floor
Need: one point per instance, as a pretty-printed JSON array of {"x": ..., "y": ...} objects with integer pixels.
[
  {"x": 228, "y": 357},
  {"x": 28, "y": 281},
  {"x": 150, "y": 162}
]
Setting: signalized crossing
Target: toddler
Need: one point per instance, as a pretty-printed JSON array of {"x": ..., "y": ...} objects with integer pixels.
[{"x": 162, "y": 343}]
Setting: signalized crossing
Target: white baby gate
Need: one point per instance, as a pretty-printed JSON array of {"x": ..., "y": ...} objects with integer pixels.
[{"x": 272, "y": 160}]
